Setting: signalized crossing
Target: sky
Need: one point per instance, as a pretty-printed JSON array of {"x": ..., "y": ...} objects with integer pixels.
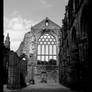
[{"x": 20, "y": 15}]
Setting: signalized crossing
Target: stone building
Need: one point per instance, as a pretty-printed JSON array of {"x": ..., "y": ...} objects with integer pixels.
[
  {"x": 37, "y": 56},
  {"x": 6, "y": 49},
  {"x": 74, "y": 47},
  {"x": 41, "y": 44},
  {"x": 15, "y": 67},
  {"x": 60, "y": 53}
]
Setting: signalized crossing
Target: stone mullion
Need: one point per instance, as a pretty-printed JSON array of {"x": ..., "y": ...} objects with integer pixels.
[
  {"x": 44, "y": 52},
  {"x": 48, "y": 51},
  {"x": 41, "y": 52}
]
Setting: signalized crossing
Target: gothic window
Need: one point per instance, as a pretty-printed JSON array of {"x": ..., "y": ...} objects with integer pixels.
[
  {"x": 73, "y": 34},
  {"x": 46, "y": 48}
]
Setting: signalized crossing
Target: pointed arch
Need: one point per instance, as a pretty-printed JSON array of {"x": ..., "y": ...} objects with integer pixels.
[
  {"x": 84, "y": 20},
  {"x": 46, "y": 48}
]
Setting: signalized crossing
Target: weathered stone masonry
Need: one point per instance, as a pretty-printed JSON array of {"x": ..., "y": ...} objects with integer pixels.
[{"x": 29, "y": 44}]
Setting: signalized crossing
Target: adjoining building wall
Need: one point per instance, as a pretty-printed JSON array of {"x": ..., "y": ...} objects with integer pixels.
[
  {"x": 74, "y": 61},
  {"x": 14, "y": 67},
  {"x": 17, "y": 71}
]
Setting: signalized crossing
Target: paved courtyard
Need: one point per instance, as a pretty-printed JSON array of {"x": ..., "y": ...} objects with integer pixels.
[
  {"x": 41, "y": 87},
  {"x": 50, "y": 86}
]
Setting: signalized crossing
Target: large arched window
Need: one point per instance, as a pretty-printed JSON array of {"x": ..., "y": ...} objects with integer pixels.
[{"x": 46, "y": 48}]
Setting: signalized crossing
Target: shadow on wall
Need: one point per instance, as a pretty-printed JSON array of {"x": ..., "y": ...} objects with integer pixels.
[{"x": 22, "y": 81}]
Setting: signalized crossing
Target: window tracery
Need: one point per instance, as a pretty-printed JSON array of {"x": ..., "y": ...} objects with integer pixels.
[{"x": 46, "y": 48}]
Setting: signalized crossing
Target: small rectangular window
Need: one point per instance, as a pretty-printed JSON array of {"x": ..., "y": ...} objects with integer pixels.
[
  {"x": 42, "y": 49},
  {"x": 42, "y": 59},
  {"x": 46, "y": 50},
  {"x": 50, "y": 57},
  {"x": 50, "y": 50},
  {"x": 39, "y": 49},
  {"x": 38, "y": 57},
  {"x": 54, "y": 49}
]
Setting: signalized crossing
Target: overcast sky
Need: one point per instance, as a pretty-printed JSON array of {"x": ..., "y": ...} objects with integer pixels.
[{"x": 19, "y": 15}]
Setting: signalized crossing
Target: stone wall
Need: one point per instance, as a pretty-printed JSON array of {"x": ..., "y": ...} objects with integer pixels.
[
  {"x": 13, "y": 71},
  {"x": 74, "y": 44},
  {"x": 30, "y": 41}
]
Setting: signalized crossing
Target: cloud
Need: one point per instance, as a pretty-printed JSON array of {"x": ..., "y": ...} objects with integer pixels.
[
  {"x": 16, "y": 26},
  {"x": 45, "y": 3}
]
